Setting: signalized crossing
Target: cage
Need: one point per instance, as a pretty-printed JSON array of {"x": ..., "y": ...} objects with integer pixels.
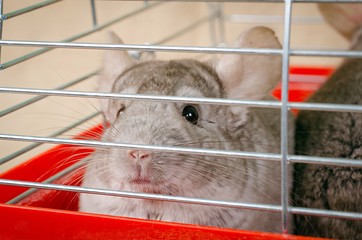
[{"x": 50, "y": 56}]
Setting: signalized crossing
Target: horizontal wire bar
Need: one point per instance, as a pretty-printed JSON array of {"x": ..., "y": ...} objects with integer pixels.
[
  {"x": 325, "y": 161},
  {"x": 49, "y": 180},
  {"x": 327, "y": 1},
  {"x": 150, "y": 196},
  {"x": 179, "y": 199},
  {"x": 195, "y": 100},
  {"x": 27, "y": 9},
  {"x": 141, "y": 47},
  {"x": 187, "y": 150},
  {"x": 325, "y": 213},
  {"x": 75, "y": 37},
  {"x": 103, "y": 144},
  {"x": 35, "y": 99},
  {"x": 34, "y": 145},
  {"x": 137, "y": 47},
  {"x": 326, "y": 53},
  {"x": 330, "y": 107},
  {"x": 220, "y": 101}
]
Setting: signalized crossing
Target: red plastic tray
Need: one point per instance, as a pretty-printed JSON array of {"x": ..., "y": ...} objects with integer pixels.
[{"x": 52, "y": 214}]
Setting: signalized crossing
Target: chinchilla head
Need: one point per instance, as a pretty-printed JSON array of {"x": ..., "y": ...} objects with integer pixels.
[{"x": 235, "y": 76}]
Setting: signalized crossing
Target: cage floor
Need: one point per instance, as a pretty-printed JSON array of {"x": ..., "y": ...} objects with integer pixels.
[{"x": 49, "y": 213}]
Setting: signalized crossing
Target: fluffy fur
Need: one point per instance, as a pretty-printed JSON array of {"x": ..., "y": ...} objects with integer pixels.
[
  {"x": 336, "y": 135},
  {"x": 218, "y": 127}
]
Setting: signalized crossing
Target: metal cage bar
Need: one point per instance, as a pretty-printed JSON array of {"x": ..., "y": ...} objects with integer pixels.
[
  {"x": 163, "y": 98},
  {"x": 38, "y": 98},
  {"x": 284, "y": 105},
  {"x": 210, "y": 50},
  {"x": 187, "y": 150},
  {"x": 284, "y": 114},
  {"x": 208, "y": 202},
  {"x": 75, "y": 37},
  {"x": 28, "y": 9},
  {"x": 55, "y": 134},
  {"x": 94, "y": 13},
  {"x": 60, "y": 174}
]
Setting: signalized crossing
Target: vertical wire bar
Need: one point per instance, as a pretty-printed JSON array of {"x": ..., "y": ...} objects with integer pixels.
[
  {"x": 94, "y": 16},
  {"x": 1, "y": 25},
  {"x": 284, "y": 113}
]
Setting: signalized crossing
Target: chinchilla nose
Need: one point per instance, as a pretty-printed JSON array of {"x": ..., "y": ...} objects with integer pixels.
[{"x": 139, "y": 155}]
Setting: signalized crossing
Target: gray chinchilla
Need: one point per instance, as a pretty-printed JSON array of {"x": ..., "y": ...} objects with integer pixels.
[
  {"x": 332, "y": 134},
  {"x": 191, "y": 125}
]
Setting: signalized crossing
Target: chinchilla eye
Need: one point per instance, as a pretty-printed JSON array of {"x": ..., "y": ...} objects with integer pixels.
[
  {"x": 190, "y": 114},
  {"x": 120, "y": 110}
]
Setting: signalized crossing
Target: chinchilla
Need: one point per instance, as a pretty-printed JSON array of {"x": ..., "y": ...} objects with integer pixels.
[
  {"x": 235, "y": 76},
  {"x": 335, "y": 135}
]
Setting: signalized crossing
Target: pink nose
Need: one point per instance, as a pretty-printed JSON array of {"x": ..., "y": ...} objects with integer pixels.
[{"x": 139, "y": 155}]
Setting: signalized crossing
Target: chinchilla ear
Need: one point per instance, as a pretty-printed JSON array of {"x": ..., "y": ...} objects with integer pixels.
[
  {"x": 346, "y": 18},
  {"x": 114, "y": 63},
  {"x": 248, "y": 76}
]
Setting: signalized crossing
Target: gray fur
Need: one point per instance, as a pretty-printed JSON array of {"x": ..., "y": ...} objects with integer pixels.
[
  {"x": 336, "y": 135},
  {"x": 219, "y": 127}
]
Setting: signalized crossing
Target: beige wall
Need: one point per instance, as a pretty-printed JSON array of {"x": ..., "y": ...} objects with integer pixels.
[{"x": 66, "y": 18}]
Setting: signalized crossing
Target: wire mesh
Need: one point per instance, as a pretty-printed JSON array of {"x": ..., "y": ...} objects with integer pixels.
[{"x": 216, "y": 14}]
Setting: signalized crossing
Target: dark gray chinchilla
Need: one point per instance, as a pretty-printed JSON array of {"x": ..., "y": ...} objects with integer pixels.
[
  {"x": 333, "y": 134},
  {"x": 190, "y": 125}
]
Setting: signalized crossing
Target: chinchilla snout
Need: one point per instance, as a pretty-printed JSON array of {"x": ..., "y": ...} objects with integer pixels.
[{"x": 139, "y": 156}]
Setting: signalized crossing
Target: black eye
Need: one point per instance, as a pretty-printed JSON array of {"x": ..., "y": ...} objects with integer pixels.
[
  {"x": 190, "y": 114},
  {"x": 120, "y": 110}
]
